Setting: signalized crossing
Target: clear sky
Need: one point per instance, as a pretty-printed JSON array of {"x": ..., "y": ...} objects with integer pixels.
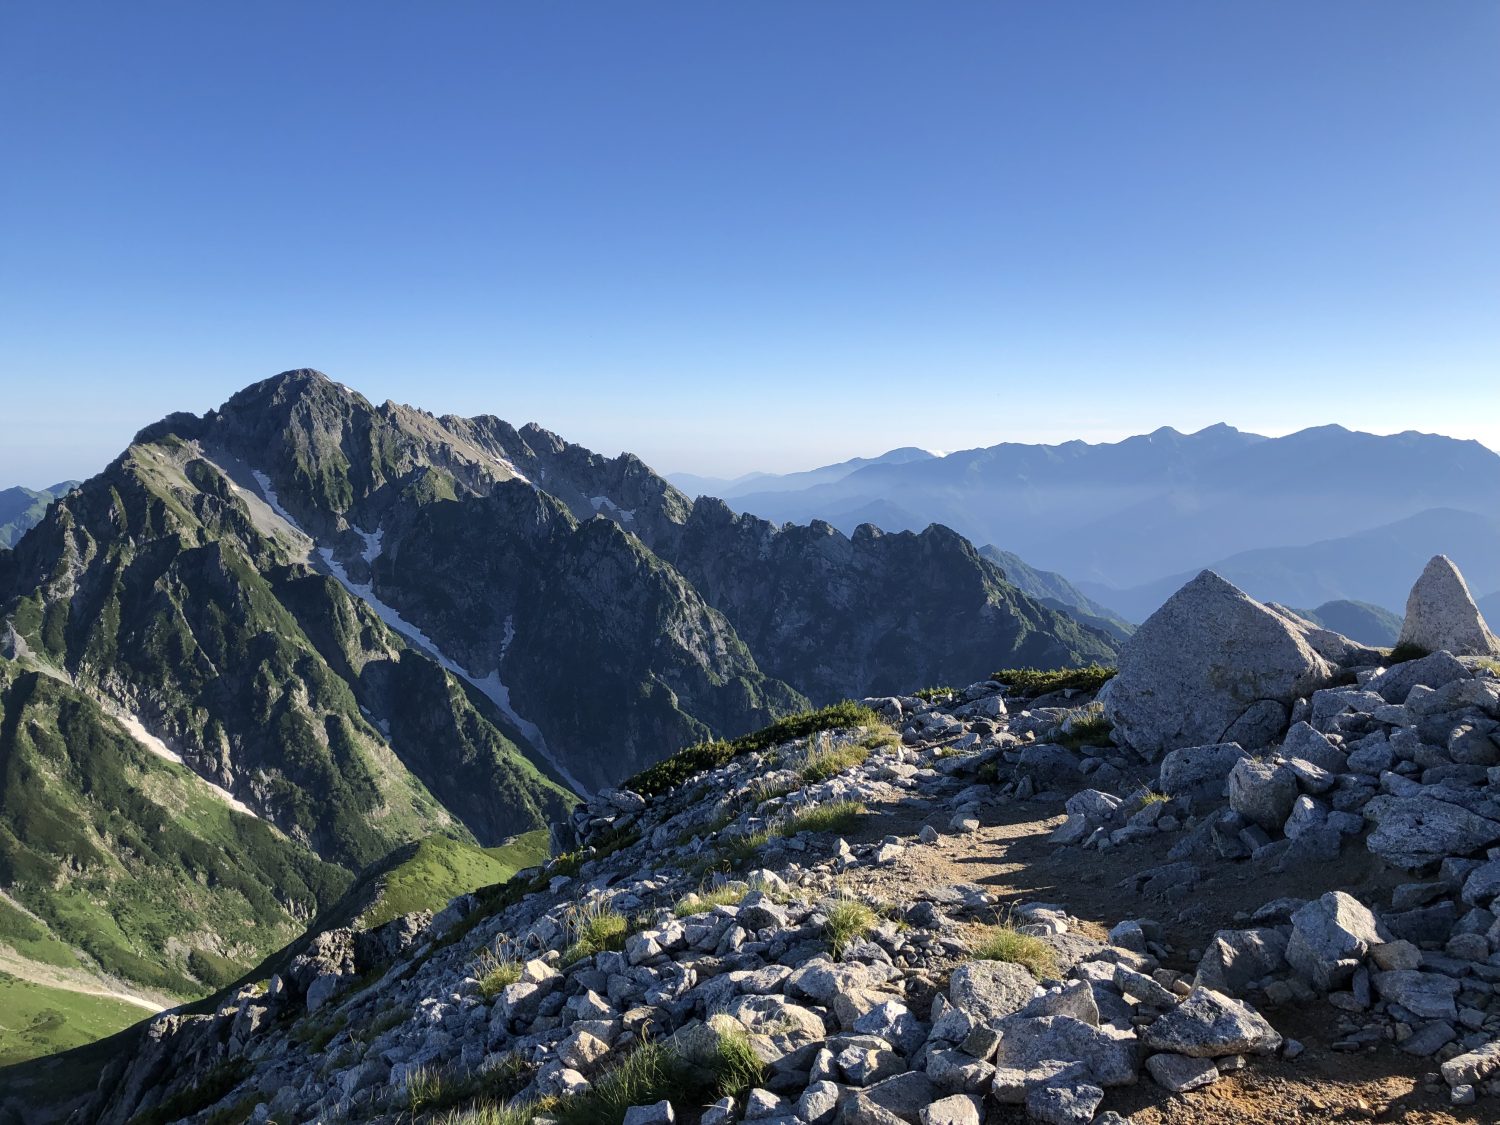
[{"x": 764, "y": 234}]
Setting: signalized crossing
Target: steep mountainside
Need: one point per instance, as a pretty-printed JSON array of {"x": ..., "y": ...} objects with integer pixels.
[
  {"x": 115, "y": 860},
  {"x": 682, "y": 619},
  {"x": 155, "y": 590},
  {"x": 1056, "y": 591},
  {"x": 23, "y": 508}
]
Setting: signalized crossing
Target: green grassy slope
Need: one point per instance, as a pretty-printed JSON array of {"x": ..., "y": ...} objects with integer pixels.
[
  {"x": 427, "y": 874},
  {"x": 130, "y": 859},
  {"x": 36, "y": 1020}
]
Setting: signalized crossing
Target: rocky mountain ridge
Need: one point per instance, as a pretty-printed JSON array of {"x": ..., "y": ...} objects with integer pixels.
[
  {"x": 789, "y": 930},
  {"x": 366, "y": 626},
  {"x": 1128, "y": 522}
]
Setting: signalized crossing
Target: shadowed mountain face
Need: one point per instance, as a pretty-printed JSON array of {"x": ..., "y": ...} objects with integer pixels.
[
  {"x": 1057, "y": 592},
  {"x": 305, "y": 630},
  {"x": 368, "y": 623}
]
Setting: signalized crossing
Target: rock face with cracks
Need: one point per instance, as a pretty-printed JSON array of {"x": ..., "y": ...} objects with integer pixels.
[
  {"x": 1441, "y": 614},
  {"x": 1212, "y": 665}
]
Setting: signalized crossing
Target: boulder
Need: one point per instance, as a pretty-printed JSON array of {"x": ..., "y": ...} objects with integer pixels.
[
  {"x": 1181, "y": 1073},
  {"x": 1330, "y": 936},
  {"x": 987, "y": 991},
  {"x": 1199, "y": 774},
  {"x": 1263, "y": 791},
  {"x": 1111, "y": 1057},
  {"x": 1210, "y": 1025},
  {"x": 1441, "y": 614},
  {"x": 1303, "y": 742},
  {"x": 1415, "y": 832},
  {"x": 1333, "y": 647},
  {"x": 1428, "y": 996},
  {"x": 1435, "y": 670},
  {"x": 1236, "y": 958},
  {"x": 1202, "y": 661},
  {"x": 956, "y": 1109}
]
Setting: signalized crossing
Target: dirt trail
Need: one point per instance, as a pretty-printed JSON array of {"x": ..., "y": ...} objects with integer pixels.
[
  {"x": 69, "y": 980},
  {"x": 1011, "y": 858}
]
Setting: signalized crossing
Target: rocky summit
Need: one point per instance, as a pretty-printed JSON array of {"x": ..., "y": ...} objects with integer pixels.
[
  {"x": 976, "y": 905},
  {"x": 350, "y": 645}
]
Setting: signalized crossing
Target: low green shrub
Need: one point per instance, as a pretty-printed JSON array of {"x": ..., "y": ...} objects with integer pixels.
[
  {"x": 495, "y": 970},
  {"x": 594, "y": 927},
  {"x": 1404, "y": 652},
  {"x": 823, "y": 762},
  {"x": 706, "y": 899},
  {"x": 832, "y": 816},
  {"x": 671, "y": 772},
  {"x": 1037, "y": 681}
]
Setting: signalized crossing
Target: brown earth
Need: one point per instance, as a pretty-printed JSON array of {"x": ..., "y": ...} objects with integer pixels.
[{"x": 1011, "y": 858}]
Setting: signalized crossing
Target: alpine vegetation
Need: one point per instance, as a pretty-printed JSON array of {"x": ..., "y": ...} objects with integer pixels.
[{"x": 979, "y": 918}]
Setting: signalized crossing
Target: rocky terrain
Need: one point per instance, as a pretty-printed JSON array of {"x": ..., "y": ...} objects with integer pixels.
[
  {"x": 310, "y": 633},
  {"x": 1250, "y": 878}
]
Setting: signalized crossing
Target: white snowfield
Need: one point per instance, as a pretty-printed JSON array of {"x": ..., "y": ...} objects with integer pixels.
[
  {"x": 602, "y": 502},
  {"x": 490, "y": 686},
  {"x": 510, "y": 468},
  {"x": 138, "y": 730}
]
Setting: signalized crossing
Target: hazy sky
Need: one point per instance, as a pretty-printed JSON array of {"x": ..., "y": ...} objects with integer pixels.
[{"x": 753, "y": 235}]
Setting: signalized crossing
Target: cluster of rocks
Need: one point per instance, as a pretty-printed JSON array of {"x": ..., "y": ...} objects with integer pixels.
[
  {"x": 902, "y": 1024},
  {"x": 898, "y": 1020}
]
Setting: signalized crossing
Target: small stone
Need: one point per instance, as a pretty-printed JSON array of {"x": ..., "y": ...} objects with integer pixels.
[
  {"x": 658, "y": 1114},
  {"x": 956, "y": 1109},
  {"x": 1180, "y": 1073}
]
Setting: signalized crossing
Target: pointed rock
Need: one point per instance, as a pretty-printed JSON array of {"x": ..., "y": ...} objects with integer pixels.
[
  {"x": 1211, "y": 665},
  {"x": 1441, "y": 614}
]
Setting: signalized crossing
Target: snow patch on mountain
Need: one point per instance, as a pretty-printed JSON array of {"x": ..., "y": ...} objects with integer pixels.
[
  {"x": 490, "y": 686},
  {"x": 602, "y": 502},
  {"x": 511, "y": 469},
  {"x": 373, "y": 544},
  {"x": 264, "y": 483},
  {"x": 139, "y": 732}
]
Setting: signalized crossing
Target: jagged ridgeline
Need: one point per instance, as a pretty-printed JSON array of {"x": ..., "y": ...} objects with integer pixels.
[{"x": 366, "y": 625}]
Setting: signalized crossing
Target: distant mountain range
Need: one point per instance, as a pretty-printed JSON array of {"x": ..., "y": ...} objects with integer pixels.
[
  {"x": 267, "y": 647},
  {"x": 1359, "y": 621},
  {"x": 1375, "y": 565},
  {"x": 1323, "y": 514},
  {"x": 21, "y": 509}
]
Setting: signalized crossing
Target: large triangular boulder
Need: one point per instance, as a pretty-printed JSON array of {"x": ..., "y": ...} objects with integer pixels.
[
  {"x": 1441, "y": 614},
  {"x": 1211, "y": 665}
]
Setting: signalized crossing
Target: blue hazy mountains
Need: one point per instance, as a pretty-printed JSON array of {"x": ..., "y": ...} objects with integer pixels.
[
  {"x": 23, "y": 508},
  {"x": 1325, "y": 514}
]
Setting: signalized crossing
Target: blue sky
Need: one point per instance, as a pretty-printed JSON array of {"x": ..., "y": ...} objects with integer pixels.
[{"x": 753, "y": 235}]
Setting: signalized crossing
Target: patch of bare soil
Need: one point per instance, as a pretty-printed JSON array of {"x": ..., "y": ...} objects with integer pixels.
[{"x": 1011, "y": 858}]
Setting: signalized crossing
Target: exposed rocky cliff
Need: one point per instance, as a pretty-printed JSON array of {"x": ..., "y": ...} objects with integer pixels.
[
  {"x": 978, "y": 906},
  {"x": 368, "y": 626}
]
